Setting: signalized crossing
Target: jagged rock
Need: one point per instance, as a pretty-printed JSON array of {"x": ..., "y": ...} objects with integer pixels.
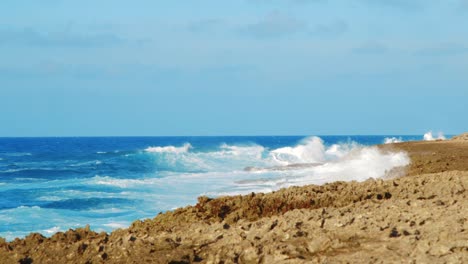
[{"x": 419, "y": 218}]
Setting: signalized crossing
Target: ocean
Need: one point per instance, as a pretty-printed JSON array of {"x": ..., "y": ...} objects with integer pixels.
[{"x": 53, "y": 184}]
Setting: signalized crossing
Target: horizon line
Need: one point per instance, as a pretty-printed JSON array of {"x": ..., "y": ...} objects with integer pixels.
[{"x": 147, "y": 136}]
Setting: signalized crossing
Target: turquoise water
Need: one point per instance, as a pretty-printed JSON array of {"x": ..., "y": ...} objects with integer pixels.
[{"x": 53, "y": 184}]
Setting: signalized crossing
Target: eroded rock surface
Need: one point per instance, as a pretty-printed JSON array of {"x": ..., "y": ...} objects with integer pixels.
[
  {"x": 419, "y": 218},
  {"x": 461, "y": 138}
]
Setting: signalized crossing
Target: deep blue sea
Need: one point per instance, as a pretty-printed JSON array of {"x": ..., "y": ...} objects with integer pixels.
[{"x": 53, "y": 184}]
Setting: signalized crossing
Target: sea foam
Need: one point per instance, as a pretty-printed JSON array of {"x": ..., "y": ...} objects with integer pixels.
[
  {"x": 390, "y": 140},
  {"x": 140, "y": 180},
  {"x": 170, "y": 149},
  {"x": 430, "y": 137},
  {"x": 245, "y": 169}
]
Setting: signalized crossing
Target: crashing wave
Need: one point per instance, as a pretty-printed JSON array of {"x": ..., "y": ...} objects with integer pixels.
[
  {"x": 170, "y": 149},
  {"x": 430, "y": 137},
  {"x": 391, "y": 140}
]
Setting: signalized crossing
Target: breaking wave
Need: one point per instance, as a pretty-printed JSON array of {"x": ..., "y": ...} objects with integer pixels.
[
  {"x": 170, "y": 149},
  {"x": 243, "y": 169},
  {"x": 430, "y": 137},
  {"x": 110, "y": 188},
  {"x": 390, "y": 140}
]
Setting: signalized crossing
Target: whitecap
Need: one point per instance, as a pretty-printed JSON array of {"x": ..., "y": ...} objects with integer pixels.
[
  {"x": 170, "y": 149},
  {"x": 390, "y": 140},
  {"x": 358, "y": 165},
  {"x": 86, "y": 163},
  {"x": 52, "y": 230},
  {"x": 252, "y": 151},
  {"x": 428, "y": 136},
  {"x": 49, "y": 198},
  {"x": 122, "y": 183},
  {"x": 115, "y": 225},
  {"x": 18, "y": 154},
  {"x": 311, "y": 150}
]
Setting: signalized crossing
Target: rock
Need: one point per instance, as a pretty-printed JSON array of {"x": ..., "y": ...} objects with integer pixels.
[
  {"x": 417, "y": 218},
  {"x": 461, "y": 138}
]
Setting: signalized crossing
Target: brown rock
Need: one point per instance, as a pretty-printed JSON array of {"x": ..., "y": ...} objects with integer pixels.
[{"x": 420, "y": 218}]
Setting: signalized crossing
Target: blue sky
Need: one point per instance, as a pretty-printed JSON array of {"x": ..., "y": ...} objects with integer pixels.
[{"x": 251, "y": 67}]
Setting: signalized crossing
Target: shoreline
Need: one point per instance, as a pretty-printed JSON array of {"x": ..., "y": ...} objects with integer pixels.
[{"x": 251, "y": 223}]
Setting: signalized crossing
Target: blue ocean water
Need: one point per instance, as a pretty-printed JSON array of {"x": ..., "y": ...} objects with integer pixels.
[{"x": 53, "y": 184}]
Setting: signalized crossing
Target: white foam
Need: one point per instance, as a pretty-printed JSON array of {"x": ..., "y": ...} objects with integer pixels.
[
  {"x": 311, "y": 150},
  {"x": 170, "y": 149},
  {"x": 252, "y": 151},
  {"x": 358, "y": 165},
  {"x": 122, "y": 183},
  {"x": 18, "y": 154},
  {"x": 49, "y": 198},
  {"x": 184, "y": 174},
  {"x": 430, "y": 137},
  {"x": 224, "y": 158},
  {"x": 52, "y": 230},
  {"x": 337, "y": 151},
  {"x": 391, "y": 140},
  {"x": 115, "y": 225},
  {"x": 93, "y": 162}
]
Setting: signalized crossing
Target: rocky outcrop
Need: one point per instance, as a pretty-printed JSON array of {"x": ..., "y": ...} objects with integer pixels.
[
  {"x": 461, "y": 138},
  {"x": 419, "y": 218}
]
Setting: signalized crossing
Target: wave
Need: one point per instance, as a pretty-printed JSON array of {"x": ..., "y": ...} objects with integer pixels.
[
  {"x": 121, "y": 183},
  {"x": 309, "y": 154},
  {"x": 86, "y": 163},
  {"x": 225, "y": 158},
  {"x": 115, "y": 225},
  {"x": 142, "y": 182},
  {"x": 254, "y": 151},
  {"x": 358, "y": 165},
  {"x": 58, "y": 219},
  {"x": 312, "y": 150},
  {"x": 240, "y": 169},
  {"x": 52, "y": 230},
  {"x": 17, "y": 154},
  {"x": 390, "y": 140},
  {"x": 170, "y": 149},
  {"x": 428, "y": 136}
]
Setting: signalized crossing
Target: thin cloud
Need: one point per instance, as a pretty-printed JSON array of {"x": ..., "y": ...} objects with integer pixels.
[
  {"x": 464, "y": 4},
  {"x": 292, "y": 2},
  {"x": 409, "y": 5},
  {"x": 445, "y": 49},
  {"x": 205, "y": 25},
  {"x": 334, "y": 28},
  {"x": 275, "y": 24},
  {"x": 31, "y": 37},
  {"x": 370, "y": 48}
]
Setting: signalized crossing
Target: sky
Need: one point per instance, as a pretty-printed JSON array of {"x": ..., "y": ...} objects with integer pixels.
[{"x": 246, "y": 67}]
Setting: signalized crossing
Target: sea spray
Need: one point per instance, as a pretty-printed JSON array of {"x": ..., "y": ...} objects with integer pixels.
[
  {"x": 391, "y": 140},
  {"x": 430, "y": 137},
  {"x": 110, "y": 182}
]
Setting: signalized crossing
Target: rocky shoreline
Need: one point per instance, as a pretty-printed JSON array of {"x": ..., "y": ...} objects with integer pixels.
[{"x": 419, "y": 218}]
